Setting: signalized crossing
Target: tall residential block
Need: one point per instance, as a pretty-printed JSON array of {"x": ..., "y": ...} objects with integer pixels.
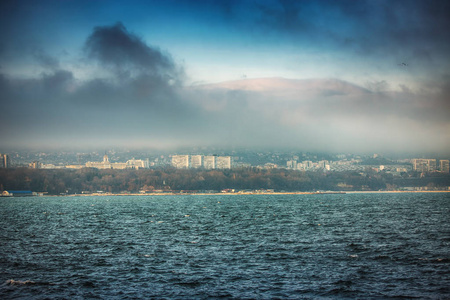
[
  {"x": 180, "y": 161},
  {"x": 4, "y": 161},
  {"x": 223, "y": 162},
  {"x": 209, "y": 162},
  {"x": 444, "y": 166},
  {"x": 424, "y": 165},
  {"x": 196, "y": 161}
]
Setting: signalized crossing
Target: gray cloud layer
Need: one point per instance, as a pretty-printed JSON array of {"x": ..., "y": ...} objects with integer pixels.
[
  {"x": 329, "y": 115},
  {"x": 139, "y": 100},
  {"x": 136, "y": 97}
]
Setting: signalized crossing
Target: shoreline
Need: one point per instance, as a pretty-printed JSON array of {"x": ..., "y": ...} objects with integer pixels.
[
  {"x": 249, "y": 193},
  {"x": 227, "y": 194}
]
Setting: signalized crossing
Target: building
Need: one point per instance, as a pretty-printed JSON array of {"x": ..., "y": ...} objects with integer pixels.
[
  {"x": 444, "y": 166},
  {"x": 130, "y": 164},
  {"x": 291, "y": 164},
  {"x": 323, "y": 165},
  {"x": 223, "y": 162},
  {"x": 308, "y": 164},
  {"x": 180, "y": 161},
  {"x": 301, "y": 166},
  {"x": 137, "y": 164},
  {"x": 209, "y": 162},
  {"x": 196, "y": 161},
  {"x": 74, "y": 167},
  {"x": 105, "y": 164},
  {"x": 51, "y": 166},
  {"x": 424, "y": 165},
  {"x": 4, "y": 161},
  {"x": 35, "y": 165}
]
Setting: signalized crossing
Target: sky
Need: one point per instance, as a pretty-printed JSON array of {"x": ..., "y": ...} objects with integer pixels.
[{"x": 330, "y": 76}]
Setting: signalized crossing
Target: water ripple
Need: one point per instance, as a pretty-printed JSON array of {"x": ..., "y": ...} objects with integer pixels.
[{"x": 373, "y": 246}]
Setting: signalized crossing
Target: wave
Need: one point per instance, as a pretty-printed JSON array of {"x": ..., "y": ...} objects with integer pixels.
[{"x": 26, "y": 282}]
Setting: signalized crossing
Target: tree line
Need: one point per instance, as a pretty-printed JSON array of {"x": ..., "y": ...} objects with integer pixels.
[{"x": 60, "y": 181}]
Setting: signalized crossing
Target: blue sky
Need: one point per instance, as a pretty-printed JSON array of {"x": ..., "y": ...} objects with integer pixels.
[
  {"x": 158, "y": 56},
  {"x": 296, "y": 39}
]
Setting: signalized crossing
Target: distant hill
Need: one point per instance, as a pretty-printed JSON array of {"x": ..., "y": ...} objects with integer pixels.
[{"x": 322, "y": 87}]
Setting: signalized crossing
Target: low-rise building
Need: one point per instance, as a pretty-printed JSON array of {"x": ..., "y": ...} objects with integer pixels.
[
  {"x": 137, "y": 164},
  {"x": 105, "y": 164},
  {"x": 130, "y": 164}
]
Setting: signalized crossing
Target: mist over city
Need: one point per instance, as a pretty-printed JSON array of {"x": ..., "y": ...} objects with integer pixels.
[{"x": 327, "y": 76}]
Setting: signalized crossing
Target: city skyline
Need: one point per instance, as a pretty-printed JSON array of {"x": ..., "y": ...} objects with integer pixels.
[
  {"x": 337, "y": 76},
  {"x": 301, "y": 161}
]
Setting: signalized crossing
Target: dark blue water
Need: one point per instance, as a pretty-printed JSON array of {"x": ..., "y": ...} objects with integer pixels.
[{"x": 366, "y": 246}]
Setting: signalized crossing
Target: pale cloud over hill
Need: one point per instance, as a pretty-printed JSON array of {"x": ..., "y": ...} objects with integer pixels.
[{"x": 327, "y": 113}]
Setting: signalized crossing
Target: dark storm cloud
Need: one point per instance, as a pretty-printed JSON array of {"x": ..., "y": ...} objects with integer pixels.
[
  {"x": 115, "y": 46},
  {"x": 139, "y": 74},
  {"x": 405, "y": 30},
  {"x": 374, "y": 22},
  {"x": 414, "y": 28}
]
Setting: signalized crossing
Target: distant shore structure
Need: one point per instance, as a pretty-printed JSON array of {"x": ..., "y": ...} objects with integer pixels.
[
  {"x": 130, "y": 164},
  {"x": 201, "y": 161}
]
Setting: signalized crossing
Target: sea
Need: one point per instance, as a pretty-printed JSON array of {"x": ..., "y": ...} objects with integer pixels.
[{"x": 319, "y": 246}]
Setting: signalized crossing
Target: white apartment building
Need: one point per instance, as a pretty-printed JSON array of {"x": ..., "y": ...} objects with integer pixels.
[
  {"x": 209, "y": 162},
  {"x": 424, "y": 165},
  {"x": 223, "y": 162},
  {"x": 180, "y": 161},
  {"x": 196, "y": 161},
  {"x": 444, "y": 165}
]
